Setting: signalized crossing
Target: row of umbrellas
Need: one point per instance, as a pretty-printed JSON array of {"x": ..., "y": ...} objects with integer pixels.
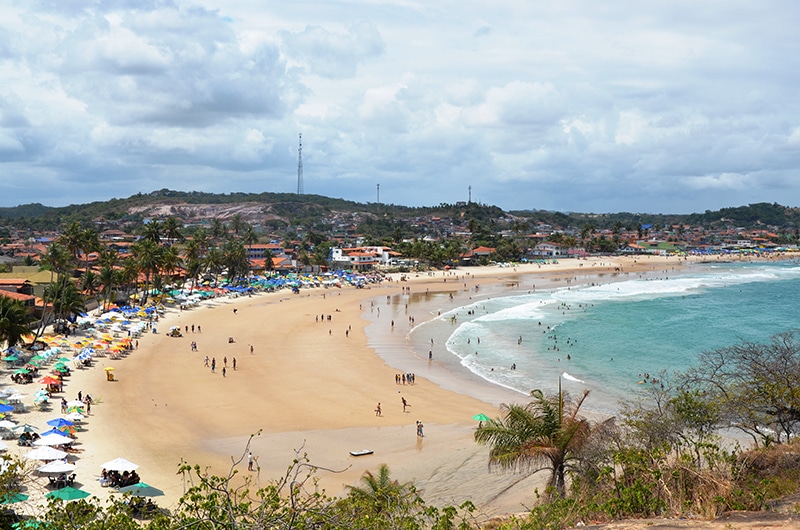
[{"x": 68, "y": 493}]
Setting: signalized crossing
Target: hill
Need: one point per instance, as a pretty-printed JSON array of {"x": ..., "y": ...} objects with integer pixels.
[{"x": 289, "y": 209}]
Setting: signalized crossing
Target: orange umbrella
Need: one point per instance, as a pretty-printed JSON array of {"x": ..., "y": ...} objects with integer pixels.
[{"x": 49, "y": 380}]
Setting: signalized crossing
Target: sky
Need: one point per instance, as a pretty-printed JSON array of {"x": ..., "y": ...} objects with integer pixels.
[{"x": 664, "y": 106}]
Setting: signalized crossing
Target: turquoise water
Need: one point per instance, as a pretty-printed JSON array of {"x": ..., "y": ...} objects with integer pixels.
[{"x": 615, "y": 332}]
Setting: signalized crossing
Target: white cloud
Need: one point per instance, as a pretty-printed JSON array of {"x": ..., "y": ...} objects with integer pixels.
[{"x": 657, "y": 106}]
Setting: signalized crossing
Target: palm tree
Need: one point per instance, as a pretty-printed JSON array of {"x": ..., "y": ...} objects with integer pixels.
[
  {"x": 237, "y": 224},
  {"x": 153, "y": 232},
  {"x": 90, "y": 282},
  {"x": 72, "y": 239},
  {"x": 65, "y": 297},
  {"x": 170, "y": 261},
  {"x": 108, "y": 279},
  {"x": 147, "y": 255},
  {"x": 56, "y": 259},
  {"x": 213, "y": 262},
  {"x": 235, "y": 259},
  {"x": 545, "y": 431},
  {"x": 382, "y": 495},
  {"x": 172, "y": 230},
  {"x": 14, "y": 317},
  {"x": 218, "y": 229}
]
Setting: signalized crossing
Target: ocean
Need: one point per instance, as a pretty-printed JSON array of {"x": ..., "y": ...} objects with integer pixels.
[{"x": 604, "y": 336}]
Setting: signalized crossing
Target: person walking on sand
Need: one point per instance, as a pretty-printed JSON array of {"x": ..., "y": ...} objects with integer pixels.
[
  {"x": 378, "y": 410},
  {"x": 213, "y": 364},
  {"x": 224, "y": 371},
  {"x": 251, "y": 349},
  {"x": 205, "y": 362},
  {"x": 405, "y": 403},
  {"x": 250, "y": 461},
  {"x": 234, "y": 363}
]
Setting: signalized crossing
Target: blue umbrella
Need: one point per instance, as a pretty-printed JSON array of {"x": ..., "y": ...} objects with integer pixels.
[
  {"x": 5, "y": 408},
  {"x": 60, "y": 422}
]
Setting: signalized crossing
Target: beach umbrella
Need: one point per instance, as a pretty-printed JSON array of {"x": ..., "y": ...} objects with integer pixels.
[
  {"x": 49, "y": 380},
  {"x": 108, "y": 368},
  {"x": 6, "y": 424},
  {"x": 22, "y": 371},
  {"x": 68, "y": 494},
  {"x": 3, "y": 446},
  {"x": 140, "y": 489},
  {"x": 75, "y": 416},
  {"x": 74, "y": 409},
  {"x": 60, "y": 422},
  {"x": 46, "y": 453},
  {"x": 53, "y": 439},
  {"x": 481, "y": 417},
  {"x": 11, "y": 359},
  {"x": 11, "y": 498},
  {"x": 75, "y": 403},
  {"x": 121, "y": 465},
  {"x": 57, "y": 466},
  {"x": 25, "y": 427}
]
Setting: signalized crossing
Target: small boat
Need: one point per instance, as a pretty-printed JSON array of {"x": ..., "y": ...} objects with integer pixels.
[{"x": 361, "y": 453}]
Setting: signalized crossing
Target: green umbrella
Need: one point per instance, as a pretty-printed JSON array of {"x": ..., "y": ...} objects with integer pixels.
[
  {"x": 481, "y": 417},
  {"x": 140, "y": 489},
  {"x": 22, "y": 371},
  {"x": 63, "y": 359},
  {"x": 68, "y": 494},
  {"x": 11, "y": 358},
  {"x": 11, "y": 498},
  {"x": 31, "y": 524}
]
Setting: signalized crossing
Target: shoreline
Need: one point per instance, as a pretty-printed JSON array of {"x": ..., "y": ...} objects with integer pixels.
[{"x": 311, "y": 385}]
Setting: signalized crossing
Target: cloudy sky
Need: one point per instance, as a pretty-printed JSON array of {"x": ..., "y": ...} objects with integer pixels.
[{"x": 663, "y": 106}]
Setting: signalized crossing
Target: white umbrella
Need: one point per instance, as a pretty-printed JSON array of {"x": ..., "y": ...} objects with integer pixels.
[
  {"x": 53, "y": 439},
  {"x": 3, "y": 445},
  {"x": 45, "y": 453},
  {"x": 57, "y": 466},
  {"x": 120, "y": 464},
  {"x": 75, "y": 403},
  {"x": 6, "y": 424}
]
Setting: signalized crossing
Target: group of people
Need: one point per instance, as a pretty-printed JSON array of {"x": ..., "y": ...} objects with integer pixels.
[
  {"x": 115, "y": 479},
  {"x": 26, "y": 439},
  {"x": 405, "y": 379}
]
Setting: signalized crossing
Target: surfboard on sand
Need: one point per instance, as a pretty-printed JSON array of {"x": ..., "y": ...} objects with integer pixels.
[{"x": 361, "y": 453}]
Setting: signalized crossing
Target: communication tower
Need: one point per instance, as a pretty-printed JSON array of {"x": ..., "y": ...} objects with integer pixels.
[{"x": 300, "y": 166}]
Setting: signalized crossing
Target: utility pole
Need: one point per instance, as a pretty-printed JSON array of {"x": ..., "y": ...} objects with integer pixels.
[
  {"x": 379, "y": 193},
  {"x": 469, "y": 200}
]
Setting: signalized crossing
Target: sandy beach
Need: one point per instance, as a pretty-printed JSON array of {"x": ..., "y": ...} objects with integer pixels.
[{"x": 310, "y": 385}]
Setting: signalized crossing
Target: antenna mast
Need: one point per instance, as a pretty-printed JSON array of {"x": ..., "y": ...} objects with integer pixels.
[{"x": 300, "y": 166}]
